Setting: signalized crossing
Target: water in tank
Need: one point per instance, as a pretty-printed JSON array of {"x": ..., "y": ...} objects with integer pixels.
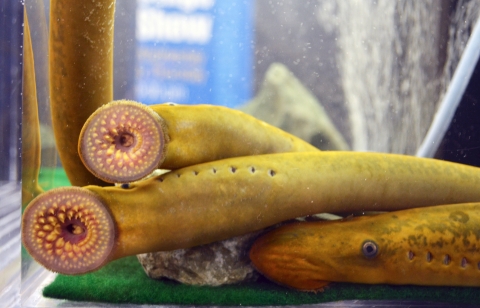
[{"x": 204, "y": 152}]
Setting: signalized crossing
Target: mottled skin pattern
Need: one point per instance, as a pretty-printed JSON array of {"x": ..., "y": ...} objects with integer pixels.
[
  {"x": 80, "y": 74},
  {"x": 218, "y": 200},
  {"x": 124, "y": 141},
  {"x": 438, "y": 246}
]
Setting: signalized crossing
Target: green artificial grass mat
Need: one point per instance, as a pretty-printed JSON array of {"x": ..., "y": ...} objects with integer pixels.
[
  {"x": 49, "y": 178},
  {"x": 124, "y": 281}
]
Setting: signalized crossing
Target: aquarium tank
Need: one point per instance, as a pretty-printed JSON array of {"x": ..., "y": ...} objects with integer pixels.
[{"x": 239, "y": 153}]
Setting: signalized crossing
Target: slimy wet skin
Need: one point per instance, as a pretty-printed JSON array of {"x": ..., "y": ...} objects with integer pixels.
[
  {"x": 437, "y": 246},
  {"x": 125, "y": 141},
  {"x": 213, "y": 201},
  {"x": 80, "y": 74}
]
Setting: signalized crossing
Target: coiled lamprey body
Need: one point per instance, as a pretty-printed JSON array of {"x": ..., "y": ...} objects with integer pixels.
[
  {"x": 213, "y": 201},
  {"x": 124, "y": 141}
]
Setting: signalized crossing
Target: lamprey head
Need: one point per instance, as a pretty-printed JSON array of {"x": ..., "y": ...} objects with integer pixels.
[
  {"x": 68, "y": 230},
  {"x": 308, "y": 255},
  {"x": 283, "y": 257},
  {"x": 122, "y": 141}
]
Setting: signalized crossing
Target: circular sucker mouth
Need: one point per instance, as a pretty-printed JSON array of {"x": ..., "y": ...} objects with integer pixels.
[
  {"x": 68, "y": 230},
  {"x": 122, "y": 141}
]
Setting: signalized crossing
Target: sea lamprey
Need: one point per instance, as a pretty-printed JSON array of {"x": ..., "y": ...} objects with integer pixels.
[
  {"x": 124, "y": 141},
  {"x": 74, "y": 230},
  {"x": 437, "y": 246},
  {"x": 80, "y": 74}
]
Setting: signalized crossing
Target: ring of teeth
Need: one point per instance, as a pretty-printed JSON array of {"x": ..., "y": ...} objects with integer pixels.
[
  {"x": 69, "y": 231},
  {"x": 121, "y": 142}
]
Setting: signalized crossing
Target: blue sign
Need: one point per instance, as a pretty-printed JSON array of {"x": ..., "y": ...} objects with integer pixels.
[{"x": 194, "y": 52}]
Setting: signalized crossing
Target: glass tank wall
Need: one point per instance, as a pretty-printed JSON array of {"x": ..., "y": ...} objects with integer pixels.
[
  {"x": 10, "y": 115},
  {"x": 364, "y": 76}
]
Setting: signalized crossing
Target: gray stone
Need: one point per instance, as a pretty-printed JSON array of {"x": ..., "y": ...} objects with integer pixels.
[{"x": 218, "y": 263}]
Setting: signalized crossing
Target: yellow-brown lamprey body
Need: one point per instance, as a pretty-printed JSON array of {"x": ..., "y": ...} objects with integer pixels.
[
  {"x": 125, "y": 141},
  {"x": 80, "y": 74},
  {"x": 437, "y": 246},
  {"x": 213, "y": 201},
  {"x": 31, "y": 147}
]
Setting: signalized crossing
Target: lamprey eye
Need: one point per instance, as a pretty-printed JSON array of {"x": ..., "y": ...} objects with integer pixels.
[{"x": 369, "y": 249}]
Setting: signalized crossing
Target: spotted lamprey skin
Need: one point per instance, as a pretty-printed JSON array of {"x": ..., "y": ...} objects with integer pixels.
[
  {"x": 122, "y": 142},
  {"x": 69, "y": 231},
  {"x": 436, "y": 246}
]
